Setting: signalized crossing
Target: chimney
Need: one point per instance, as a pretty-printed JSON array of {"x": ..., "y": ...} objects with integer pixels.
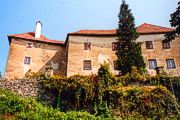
[{"x": 38, "y": 29}]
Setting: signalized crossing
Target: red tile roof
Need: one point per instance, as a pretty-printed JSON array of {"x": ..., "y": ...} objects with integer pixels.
[
  {"x": 149, "y": 28},
  {"x": 142, "y": 29},
  {"x": 30, "y": 36}
]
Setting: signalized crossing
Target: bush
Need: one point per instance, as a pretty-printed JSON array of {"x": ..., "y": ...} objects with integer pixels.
[
  {"x": 14, "y": 107},
  {"x": 149, "y": 102}
]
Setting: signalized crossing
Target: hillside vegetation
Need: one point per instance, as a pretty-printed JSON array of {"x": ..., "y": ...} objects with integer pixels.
[{"x": 133, "y": 96}]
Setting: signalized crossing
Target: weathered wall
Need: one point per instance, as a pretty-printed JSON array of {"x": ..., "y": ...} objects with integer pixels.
[
  {"x": 161, "y": 54},
  {"x": 25, "y": 88},
  {"x": 101, "y": 50},
  {"x": 98, "y": 54},
  {"x": 47, "y": 55}
]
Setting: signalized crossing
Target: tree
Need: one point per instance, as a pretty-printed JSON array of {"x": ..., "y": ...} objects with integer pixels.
[
  {"x": 0, "y": 76},
  {"x": 128, "y": 50},
  {"x": 175, "y": 22},
  {"x": 101, "y": 90}
]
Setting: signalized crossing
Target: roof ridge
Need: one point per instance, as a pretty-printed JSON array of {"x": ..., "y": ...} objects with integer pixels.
[
  {"x": 31, "y": 36},
  {"x": 156, "y": 25}
]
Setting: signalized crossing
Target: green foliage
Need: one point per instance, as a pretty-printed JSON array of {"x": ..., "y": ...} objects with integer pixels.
[
  {"x": 129, "y": 51},
  {"x": 123, "y": 94},
  {"x": 25, "y": 108},
  {"x": 71, "y": 93},
  {"x": 175, "y": 22},
  {"x": 37, "y": 76},
  {"x": 14, "y": 107},
  {"x": 134, "y": 95},
  {"x": 134, "y": 101},
  {"x": 171, "y": 83},
  {"x": 0, "y": 76},
  {"x": 104, "y": 74},
  {"x": 71, "y": 115},
  {"x": 101, "y": 97}
]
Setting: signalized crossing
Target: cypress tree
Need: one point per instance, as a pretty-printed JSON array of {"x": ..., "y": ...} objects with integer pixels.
[
  {"x": 128, "y": 50},
  {"x": 175, "y": 22},
  {"x": 0, "y": 76}
]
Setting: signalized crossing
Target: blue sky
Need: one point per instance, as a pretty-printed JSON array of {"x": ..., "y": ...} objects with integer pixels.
[{"x": 62, "y": 16}]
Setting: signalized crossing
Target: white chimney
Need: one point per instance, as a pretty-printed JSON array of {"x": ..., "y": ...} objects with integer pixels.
[{"x": 38, "y": 29}]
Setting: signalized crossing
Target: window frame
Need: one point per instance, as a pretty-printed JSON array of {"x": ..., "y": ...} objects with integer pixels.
[
  {"x": 148, "y": 46},
  {"x": 85, "y": 66},
  {"x": 115, "y": 65},
  {"x": 87, "y": 46},
  {"x": 29, "y": 46},
  {"x": 114, "y": 46},
  {"x": 27, "y": 60},
  {"x": 150, "y": 60},
  {"x": 172, "y": 61},
  {"x": 166, "y": 45}
]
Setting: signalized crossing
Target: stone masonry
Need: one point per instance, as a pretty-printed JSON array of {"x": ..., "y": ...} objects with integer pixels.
[
  {"x": 25, "y": 88},
  {"x": 42, "y": 58},
  {"x": 30, "y": 54}
]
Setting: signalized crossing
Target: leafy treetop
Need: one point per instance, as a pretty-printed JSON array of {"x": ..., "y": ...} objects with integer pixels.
[
  {"x": 129, "y": 51},
  {"x": 175, "y": 22}
]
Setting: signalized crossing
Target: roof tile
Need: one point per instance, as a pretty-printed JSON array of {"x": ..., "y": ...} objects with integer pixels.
[
  {"x": 142, "y": 29},
  {"x": 30, "y": 36}
]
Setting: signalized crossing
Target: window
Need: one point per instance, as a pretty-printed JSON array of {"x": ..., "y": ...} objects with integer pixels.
[
  {"x": 149, "y": 45},
  {"x": 29, "y": 45},
  {"x": 87, "y": 65},
  {"x": 37, "y": 45},
  {"x": 27, "y": 60},
  {"x": 152, "y": 64},
  {"x": 166, "y": 45},
  {"x": 115, "y": 65},
  {"x": 170, "y": 63},
  {"x": 87, "y": 46},
  {"x": 114, "y": 46}
]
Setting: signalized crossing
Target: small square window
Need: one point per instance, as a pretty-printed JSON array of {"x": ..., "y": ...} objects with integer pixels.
[
  {"x": 29, "y": 45},
  {"x": 166, "y": 45},
  {"x": 115, "y": 65},
  {"x": 152, "y": 63},
  {"x": 27, "y": 60},
  {"x": 114, "y": 46},
  {"x": 149, "y": 45},
  {"x": 87, "y": 45},
  {"x": 87, "y": 65},
  {"x": 170, "y": 63},
  {"x": 37, "y": 45}
]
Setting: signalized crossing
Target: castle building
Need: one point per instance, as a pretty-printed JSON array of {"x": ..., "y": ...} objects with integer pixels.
[{"x": 83, "y": 51}]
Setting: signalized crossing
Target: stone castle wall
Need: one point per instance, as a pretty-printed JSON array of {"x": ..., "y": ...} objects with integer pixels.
[
  {"x": 68, "y": 60},
  {"x": 101, "y": 50},
  {"x": 43, "y": 56},
  {"x": 25, "y": 88}
]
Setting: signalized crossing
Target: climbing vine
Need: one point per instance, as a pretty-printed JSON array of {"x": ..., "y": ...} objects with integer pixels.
[{"x": 134, "y": 95}]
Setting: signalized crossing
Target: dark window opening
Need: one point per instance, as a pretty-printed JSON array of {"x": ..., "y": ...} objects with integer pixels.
[
  {"x": 114, "y": 46},
  {"x": 170, "y": 63},
  {"x": 27, "y": 60},
  {"x": 152, "y": 63},
  {"x": 115, "y": 65},
  {"x": 87, "y": 46},
  {"x": 149, "y": 45},
  {"x": 87, "y": 65},
  {"x": 166, "y": 45},
  {"x": 29, "y": 45}
]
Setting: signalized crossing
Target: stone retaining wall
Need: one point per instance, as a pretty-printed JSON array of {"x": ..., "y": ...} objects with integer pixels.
[{"x": 25, "y": 88}]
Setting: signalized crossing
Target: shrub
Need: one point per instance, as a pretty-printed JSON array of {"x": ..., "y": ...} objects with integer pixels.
[
  {"x": 149, "y": 102},
  {"x": 14, "y": 107}
]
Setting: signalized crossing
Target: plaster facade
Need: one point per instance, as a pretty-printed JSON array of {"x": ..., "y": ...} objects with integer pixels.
[{"x": 71, "y": 57}]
